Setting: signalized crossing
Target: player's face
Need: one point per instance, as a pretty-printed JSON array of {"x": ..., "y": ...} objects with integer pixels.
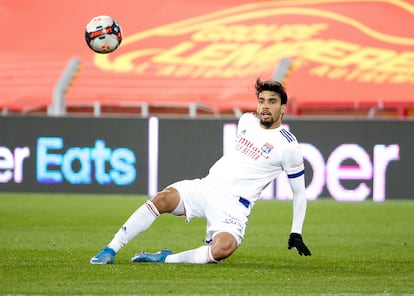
[{"x": 270, "y": 109}]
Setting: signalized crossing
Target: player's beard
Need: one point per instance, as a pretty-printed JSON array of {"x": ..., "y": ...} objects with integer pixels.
[
  {"x": 267, "y": 123},
  {"x": 272, "y": 120}
]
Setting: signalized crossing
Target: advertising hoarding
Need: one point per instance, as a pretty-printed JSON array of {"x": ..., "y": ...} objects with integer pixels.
[
  {"x": 347, "y": 160},
  {"x": 91, "y": 155}
]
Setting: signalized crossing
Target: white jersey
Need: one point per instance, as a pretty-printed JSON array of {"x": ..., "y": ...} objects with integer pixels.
[
  {"x": 238, "y": 178},
  {"x": 258, "y": 157}
]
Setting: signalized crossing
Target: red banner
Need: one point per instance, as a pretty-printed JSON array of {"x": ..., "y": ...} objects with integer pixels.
[{"x": 344, "y": 53}]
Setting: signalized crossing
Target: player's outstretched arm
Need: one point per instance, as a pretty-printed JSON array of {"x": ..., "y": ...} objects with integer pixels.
[
  {"x": 293, "y": 159},
  {"x": 296, "y": 241}
]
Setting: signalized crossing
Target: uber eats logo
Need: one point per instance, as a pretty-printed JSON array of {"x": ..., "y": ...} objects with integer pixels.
[
  {"x": 12, "y": 164},
  {"x": 56, "y": 163},
  {"x": 83, "y": 165}
]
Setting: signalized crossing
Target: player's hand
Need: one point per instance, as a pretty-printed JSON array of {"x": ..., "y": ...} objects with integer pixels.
[{"x": 295, "y": 241}]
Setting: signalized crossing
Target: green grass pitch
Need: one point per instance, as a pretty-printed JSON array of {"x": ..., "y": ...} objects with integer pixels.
[{"x": 357, "y": 248}]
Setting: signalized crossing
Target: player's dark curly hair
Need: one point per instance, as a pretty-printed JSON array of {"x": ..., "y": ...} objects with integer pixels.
[{"x": 272, "y": 85}]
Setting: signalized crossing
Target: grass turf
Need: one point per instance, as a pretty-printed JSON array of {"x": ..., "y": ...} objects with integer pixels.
[{"x": 357, "y": 248}]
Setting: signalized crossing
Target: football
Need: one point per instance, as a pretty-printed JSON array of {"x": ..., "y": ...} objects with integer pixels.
[{"x": 103, "y": 34}]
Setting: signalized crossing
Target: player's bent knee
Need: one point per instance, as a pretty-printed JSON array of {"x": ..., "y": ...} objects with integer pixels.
[
  {"x": 221, "y": 252},
  {"x": 167, "y": 200},
  {"x": 224, "y": 244}
]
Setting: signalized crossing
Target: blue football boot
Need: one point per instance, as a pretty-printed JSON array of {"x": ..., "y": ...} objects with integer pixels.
[
  {"x": 105, "y": 256},
  {"x": 151, "y": 257}
]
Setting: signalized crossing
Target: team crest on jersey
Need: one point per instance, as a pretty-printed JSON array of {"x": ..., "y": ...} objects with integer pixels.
[{"x": 266, "y": 148}]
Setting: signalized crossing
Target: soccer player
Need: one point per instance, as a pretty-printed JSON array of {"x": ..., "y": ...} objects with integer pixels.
[{"x": 226, "y": 196}]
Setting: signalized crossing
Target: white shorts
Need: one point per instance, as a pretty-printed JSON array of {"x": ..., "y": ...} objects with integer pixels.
[{"x": 224, "y": 213}]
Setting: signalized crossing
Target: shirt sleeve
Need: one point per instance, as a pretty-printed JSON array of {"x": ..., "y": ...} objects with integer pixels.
[
  {"x": 292, "y": 161},
  {"x": 294, "y": 167},
  {"x": 299, "y": 203}
]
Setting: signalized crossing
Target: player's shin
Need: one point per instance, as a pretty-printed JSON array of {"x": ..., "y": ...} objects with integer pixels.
[
  {"x": 201, "y": 255},
  {"x": 137, "y": 223}
]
